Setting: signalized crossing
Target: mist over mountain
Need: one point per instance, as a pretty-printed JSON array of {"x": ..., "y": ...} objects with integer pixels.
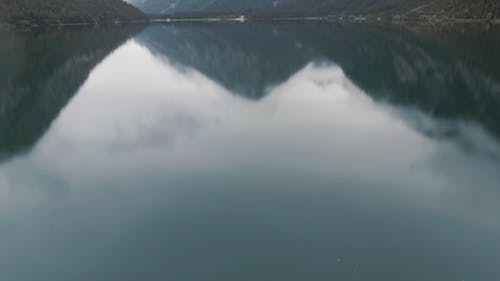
[{"x": 426, "y": 9}]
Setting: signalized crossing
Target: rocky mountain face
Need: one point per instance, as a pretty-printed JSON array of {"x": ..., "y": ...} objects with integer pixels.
[
  {"x": 402, "y": 9},
  {"x": 56, "y": 12}
]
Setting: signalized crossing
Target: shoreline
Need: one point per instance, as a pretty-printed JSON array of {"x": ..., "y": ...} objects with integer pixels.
[
  {"x": 4, "y": 26},
  {"x": 339, "y": 19}
]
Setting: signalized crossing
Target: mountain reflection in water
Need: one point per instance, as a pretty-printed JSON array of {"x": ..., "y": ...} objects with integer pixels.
[
  {"x": 251, "y": 152},
  {"x": 40, "y": 73},
  {"x": 390, "y": 65}
]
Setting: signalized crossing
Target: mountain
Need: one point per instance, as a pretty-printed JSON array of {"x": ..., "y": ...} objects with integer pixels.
[
  {"x": 417, "y": 9},
  {"x": 56, "y": 12},
  {"x": 215, "y": 6}
]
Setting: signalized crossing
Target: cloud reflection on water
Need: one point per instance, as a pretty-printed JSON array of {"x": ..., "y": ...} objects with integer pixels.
[{"x": 154, "y": 170}]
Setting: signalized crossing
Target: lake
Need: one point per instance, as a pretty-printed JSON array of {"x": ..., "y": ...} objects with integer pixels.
[{"x": 256, "y": 151}]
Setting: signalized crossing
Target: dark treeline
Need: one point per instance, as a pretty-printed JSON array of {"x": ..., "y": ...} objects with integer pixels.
[
  {"x": 57, "y": 12},
  {"x": 400, "y": 10}
]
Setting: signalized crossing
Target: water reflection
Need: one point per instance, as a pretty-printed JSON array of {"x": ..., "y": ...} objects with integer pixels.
[
  {"x": 391, "y": 65},
  {"x": 165, "y": 166},
  {"x": 240, "y": 59},
  {"x": 40, "y": 73}
]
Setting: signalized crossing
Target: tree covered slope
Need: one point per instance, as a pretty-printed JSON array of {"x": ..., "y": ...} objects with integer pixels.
[
  {"x": 424, "y": 9},
  {"x": 49, "y": 12}
]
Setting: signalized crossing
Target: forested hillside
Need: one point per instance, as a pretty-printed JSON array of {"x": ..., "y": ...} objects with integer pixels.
[
  {"x": 400, "y": 9},
  {"x": 454, "y": 9},
  {"x": 54, "y": 12}
]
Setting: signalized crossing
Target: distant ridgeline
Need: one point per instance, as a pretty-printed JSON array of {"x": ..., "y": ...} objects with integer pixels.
[
  {"x": 395, "y": 9},
  {"x": 58, "y": 12}
]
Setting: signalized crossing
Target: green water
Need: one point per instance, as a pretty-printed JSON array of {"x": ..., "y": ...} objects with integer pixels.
[{"x": 250, "y": 152}]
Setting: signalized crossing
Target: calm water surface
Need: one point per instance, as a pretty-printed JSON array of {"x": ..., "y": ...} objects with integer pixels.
[{"x": 250, "y": 152}]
